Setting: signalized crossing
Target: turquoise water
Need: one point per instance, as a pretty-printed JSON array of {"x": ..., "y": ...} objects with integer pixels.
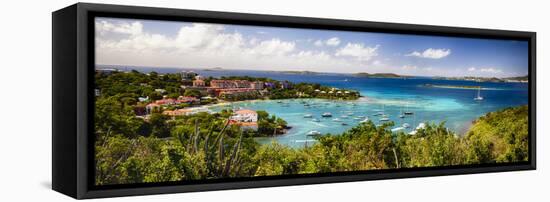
[{"x": 454, "y": 106}]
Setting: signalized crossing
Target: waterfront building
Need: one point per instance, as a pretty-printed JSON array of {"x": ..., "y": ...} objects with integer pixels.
[
  {"x": 230, "y": 84},
  {"x": 199, "y": 83},
  {"x": 187, "y": 99},
  {"x": 244, "y": 115},
  {"x": 258, "y": 85},
  {"x": 245, "y": 118}
]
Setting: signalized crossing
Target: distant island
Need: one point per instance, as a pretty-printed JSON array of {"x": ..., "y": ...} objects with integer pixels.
[
  {"x": 518, "y": 79},
  {"x": 300, "y": 72},
  {"x": 214, "y": 69},
  {"x": 379, "y": 75}
]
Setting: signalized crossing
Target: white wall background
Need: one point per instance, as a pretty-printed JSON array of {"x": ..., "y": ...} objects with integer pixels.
[{"x": 25, "y": 100}]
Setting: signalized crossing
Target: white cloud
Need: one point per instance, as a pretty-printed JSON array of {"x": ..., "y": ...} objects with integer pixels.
[
  {"x": 103, "y": 27},
  {"x": 318, "y": 43},
  {"x": 431, "y": 53},
  {"x": 358, "y": 51},
  {"x": 334, "y": 41},
  {"x": 209, "y": 45},
  {"x": 409, "y": 67},
  {"x": 273, "y": 47},
  {"x": 472, "y": 69},
  {"x": 491, "y": 70}
]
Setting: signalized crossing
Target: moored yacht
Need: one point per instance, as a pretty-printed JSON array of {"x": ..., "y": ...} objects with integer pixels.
[
  {"x": 313, "y": 133},
  {"x": 326, "y": 114}
]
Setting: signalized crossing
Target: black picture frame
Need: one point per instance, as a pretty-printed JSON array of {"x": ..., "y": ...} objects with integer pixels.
[{"x": 72, "y": 99}]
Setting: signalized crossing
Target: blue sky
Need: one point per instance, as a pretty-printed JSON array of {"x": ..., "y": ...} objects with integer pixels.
[{"x": 199, "y": 45}]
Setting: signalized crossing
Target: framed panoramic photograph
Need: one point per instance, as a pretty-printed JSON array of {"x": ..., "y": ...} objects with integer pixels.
[{"x": 152, "y": 100}]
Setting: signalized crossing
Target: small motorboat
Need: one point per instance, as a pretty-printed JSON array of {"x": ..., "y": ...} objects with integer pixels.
[
  {"x": 336, "y": 120},
  {"x": 344, "y": 124},
  {"x": 308, "y": 116},
  {"x": 313, "y": 133},
  {"x": 326, "y": 114},
  {"x": 397, "y": 129},
  {"x": 315, "y": 120},
  {"x": 406, "y": 125},
  {"x": 364, "y": 120}
]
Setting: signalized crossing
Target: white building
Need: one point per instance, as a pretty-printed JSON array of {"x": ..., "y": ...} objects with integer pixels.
[{"x": 245, "y": 115}]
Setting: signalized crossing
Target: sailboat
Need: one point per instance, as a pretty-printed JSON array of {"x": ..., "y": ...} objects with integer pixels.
[{"x": 478, "y": 98}]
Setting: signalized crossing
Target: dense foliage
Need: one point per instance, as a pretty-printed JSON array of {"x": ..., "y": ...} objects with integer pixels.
[
  {"x": 134, "y": 84},
  {"x": 205, "y": 146},
  {"x": 131, "y": 85}
]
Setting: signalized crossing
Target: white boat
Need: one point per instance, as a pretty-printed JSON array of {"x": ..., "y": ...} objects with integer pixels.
[
  {"x": 397, "y": 129},
  {"x": 313, "y": 133},
  {"x": 344, "y": 116},
  {"x": 406, "y": 125},
  {"x": 478, "y": 98},
  {"x": 364, "y": 120},
  {"x": 315, "y": 120},
  {"x": 385, "y": 117},
  {"x": 360, "y": 116},
  {"x": 356, "y": 118},
  {"x": 336, "y": 120},
  {"x": 326, "y": 114},
  {"x": 308, "y": 116}
]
